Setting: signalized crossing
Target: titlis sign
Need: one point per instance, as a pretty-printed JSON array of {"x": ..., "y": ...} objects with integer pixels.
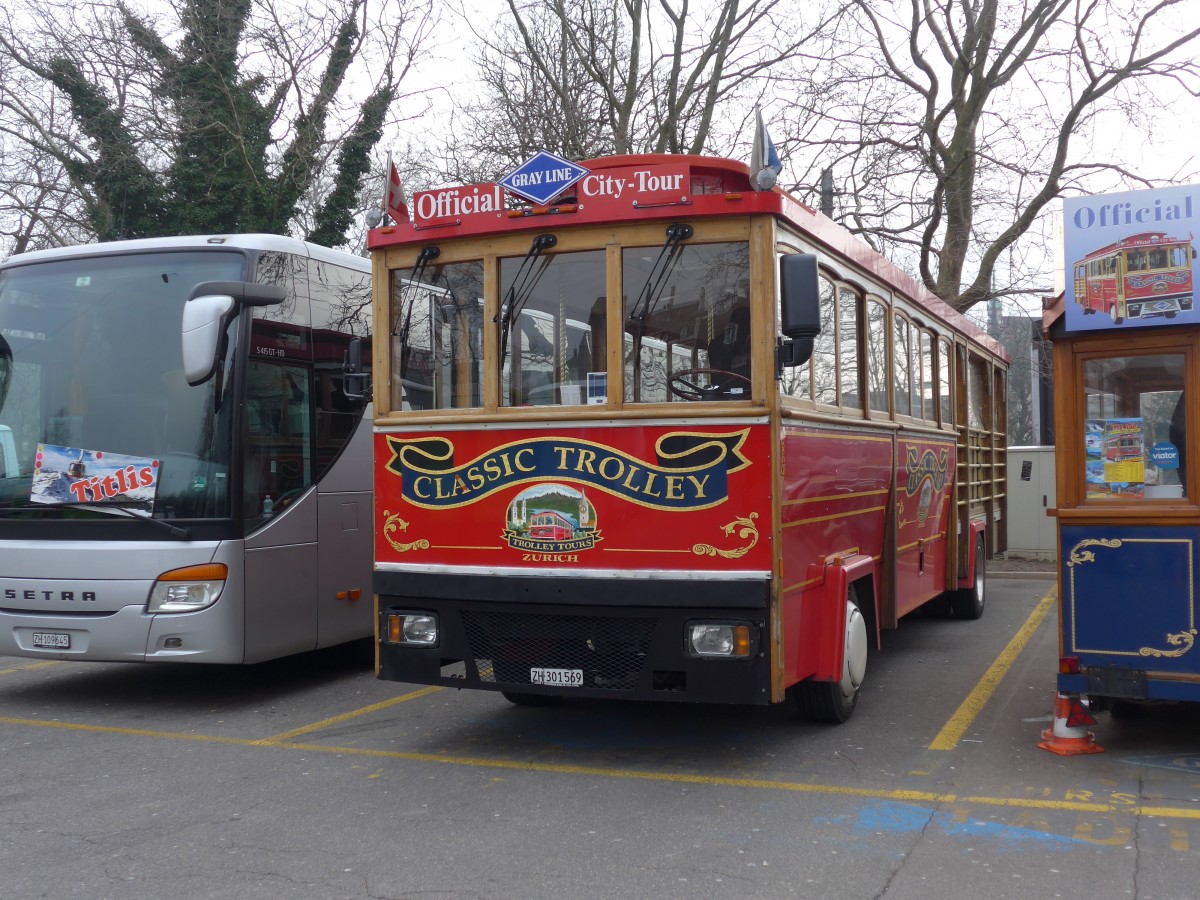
[{"x": 544, "y": 179}]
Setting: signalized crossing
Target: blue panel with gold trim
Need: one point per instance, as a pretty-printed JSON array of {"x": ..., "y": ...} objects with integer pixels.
[{"x": 1129, "y": 597}]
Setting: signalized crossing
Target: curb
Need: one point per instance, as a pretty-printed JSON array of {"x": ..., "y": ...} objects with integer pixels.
[{"x": 1023, "y": 576}]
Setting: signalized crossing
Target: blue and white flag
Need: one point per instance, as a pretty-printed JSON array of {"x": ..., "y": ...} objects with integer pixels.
[{"x": 764, "y": 160}]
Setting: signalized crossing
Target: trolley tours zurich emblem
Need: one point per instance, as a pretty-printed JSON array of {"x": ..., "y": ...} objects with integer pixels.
[{"x": 551, "y": 518}]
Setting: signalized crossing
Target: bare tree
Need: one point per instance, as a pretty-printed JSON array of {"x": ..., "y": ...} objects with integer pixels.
[
  {"x": 248, "y": 115},
  {"x": 594, "y": 77},
  {"x": 951, "y": 126}
]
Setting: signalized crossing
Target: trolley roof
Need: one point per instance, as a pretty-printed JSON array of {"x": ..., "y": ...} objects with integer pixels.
[{"x": 641, "y": 188}]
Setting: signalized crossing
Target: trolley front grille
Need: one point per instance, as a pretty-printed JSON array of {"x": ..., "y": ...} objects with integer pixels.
[{"x": 610, "y": 651}]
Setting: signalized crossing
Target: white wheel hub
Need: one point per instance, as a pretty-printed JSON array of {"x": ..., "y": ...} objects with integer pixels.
[{"x": 854, "y": 668}]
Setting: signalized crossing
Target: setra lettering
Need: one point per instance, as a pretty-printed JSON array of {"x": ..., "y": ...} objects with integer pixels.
[{"x": 62, "y": 596}]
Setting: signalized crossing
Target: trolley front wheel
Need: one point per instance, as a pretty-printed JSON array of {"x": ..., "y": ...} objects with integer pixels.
[{"x": 834, "y": 701}]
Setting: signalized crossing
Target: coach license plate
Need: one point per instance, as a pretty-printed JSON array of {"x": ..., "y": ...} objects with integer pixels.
[
  {"x": 556, "y": 677},
  {"x": 52, "y": 640}
]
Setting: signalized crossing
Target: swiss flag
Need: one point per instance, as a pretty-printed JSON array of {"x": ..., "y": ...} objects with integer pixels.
[{"x": 395, "y": 204}]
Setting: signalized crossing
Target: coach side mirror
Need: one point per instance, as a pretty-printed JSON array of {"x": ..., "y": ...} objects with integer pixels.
[
  {"x": 800, "y": 308},
  {"x": 356, "y": 383},
  {"x": 209, "y": 309}
]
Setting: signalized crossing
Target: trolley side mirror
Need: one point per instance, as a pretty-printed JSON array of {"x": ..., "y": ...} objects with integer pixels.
[
  {"x": 800, "y": 308},
  {"x": 209, "y": 309}
]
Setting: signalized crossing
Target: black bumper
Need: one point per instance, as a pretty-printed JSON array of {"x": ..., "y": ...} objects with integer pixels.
[{"x": 625, "y": 635}]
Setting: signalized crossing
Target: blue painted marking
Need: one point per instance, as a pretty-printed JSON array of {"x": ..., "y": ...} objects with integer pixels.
[
  {"x": 1176, "y": 762},
  {"x": 903, "y": 818}
]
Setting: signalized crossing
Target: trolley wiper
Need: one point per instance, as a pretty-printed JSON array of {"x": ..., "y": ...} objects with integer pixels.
[
  {"x": 668, "y": 258},
  {"x": 118, "y": 508},
  {"x": 651, "y": 293},
  {"x": 522, "y": 286},
  {"x": 414, "y": 282}
]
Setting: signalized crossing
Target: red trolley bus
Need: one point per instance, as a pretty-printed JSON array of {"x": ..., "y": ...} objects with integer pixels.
[
  {"x": 1143, "y": 275},
  {"x": 671, "y": 438}
]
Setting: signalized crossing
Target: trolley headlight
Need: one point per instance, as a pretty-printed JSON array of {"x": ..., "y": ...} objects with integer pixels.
[
  {"x": 719, "y": 639},
  {"x": 414, "y": 629},
  {"x": 188, "y": 589}
]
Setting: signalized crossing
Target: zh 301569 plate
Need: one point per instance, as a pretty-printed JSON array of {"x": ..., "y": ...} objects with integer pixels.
[{"x": 556, "y": 677}]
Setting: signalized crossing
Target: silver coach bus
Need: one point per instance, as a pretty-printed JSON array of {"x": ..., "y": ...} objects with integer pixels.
[{"x": 186, "y": 450}]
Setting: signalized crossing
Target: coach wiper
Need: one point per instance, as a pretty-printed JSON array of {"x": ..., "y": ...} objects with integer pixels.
[
  {"x": 118, "y": 508},
  {"x": 523, "y": 283}
]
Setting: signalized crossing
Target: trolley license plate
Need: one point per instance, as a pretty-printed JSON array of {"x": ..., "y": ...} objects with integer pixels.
[
  {"x": 556, "y": 677},
  {"x": 52, "y": 640}
]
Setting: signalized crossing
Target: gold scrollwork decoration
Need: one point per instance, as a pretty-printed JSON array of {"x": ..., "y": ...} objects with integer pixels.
[
  {"x": 1184, "y": 640},
  {"x": 745, "y": 528},
  {"x": 393, "y": 522},
  {"x": 1080, "y": 554}
]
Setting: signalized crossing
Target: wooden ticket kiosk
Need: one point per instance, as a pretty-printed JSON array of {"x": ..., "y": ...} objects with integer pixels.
[{"x": 1127, "y": 413}]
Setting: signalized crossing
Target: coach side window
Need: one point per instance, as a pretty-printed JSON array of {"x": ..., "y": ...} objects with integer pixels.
[
  {"x": 341, "y": 312},
  {"x": 277, "y": 431}
]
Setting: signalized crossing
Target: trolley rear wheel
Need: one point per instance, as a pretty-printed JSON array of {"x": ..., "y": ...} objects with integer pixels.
[{"x": 967, "y": 603}]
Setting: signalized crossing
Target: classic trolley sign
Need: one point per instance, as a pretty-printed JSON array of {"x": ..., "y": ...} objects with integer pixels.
[
  {"x": 1127, "y": 514},
  {"x": 642, "y": 431}
]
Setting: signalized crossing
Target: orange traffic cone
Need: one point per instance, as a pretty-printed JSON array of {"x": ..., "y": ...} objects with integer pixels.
[{"x": 1069, "y": 737}]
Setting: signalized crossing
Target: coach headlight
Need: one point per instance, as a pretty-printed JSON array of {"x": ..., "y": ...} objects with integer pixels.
[
  {"x": 188, "y": 589},
  {"x": 729, "y": 640}
]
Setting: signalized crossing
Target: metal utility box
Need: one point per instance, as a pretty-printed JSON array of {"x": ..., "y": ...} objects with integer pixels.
[{"x": 1031, "y": 486}]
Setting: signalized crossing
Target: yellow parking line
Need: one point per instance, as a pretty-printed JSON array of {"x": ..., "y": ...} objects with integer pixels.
[
  {"x": 132, "y": 732},
  {"x": 903, "y": 796},
  {"x": 964, "y": 716},
  {"x": 32, "y": 666},
  {"x": 336, "y": 720}
]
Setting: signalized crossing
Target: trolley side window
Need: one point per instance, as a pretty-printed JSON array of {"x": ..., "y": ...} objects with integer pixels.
[{"x": 879, "y": 380}]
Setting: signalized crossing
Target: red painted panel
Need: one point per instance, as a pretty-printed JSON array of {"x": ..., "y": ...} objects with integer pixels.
[
  {"x": 835, "y": 497},
  {"x": 924, "y": 487},
  {"x": 624, "y": 498}
]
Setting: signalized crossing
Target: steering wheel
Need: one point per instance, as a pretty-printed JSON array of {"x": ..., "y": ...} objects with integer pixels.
[{"x": 720, "y": 385}]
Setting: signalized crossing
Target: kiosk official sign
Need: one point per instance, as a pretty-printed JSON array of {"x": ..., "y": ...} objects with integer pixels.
[{"x": 1131, "y": 259}]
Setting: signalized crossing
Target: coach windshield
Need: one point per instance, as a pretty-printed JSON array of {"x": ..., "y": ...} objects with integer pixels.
[{"x": 93, "y": 395}]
